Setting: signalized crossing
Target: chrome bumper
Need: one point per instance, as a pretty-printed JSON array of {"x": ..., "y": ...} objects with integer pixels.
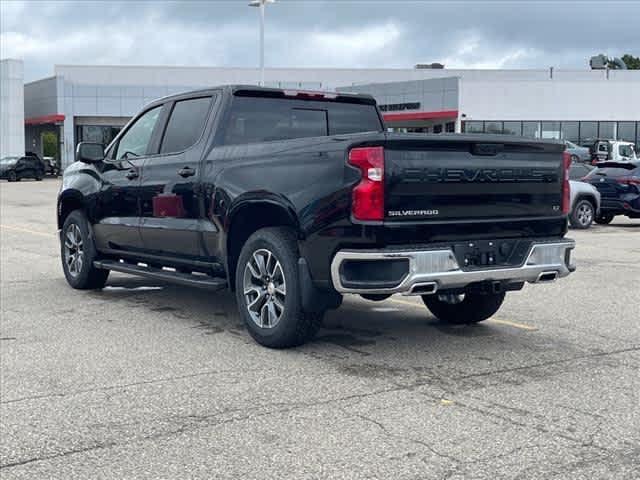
[{"x": 433, "y": 270}]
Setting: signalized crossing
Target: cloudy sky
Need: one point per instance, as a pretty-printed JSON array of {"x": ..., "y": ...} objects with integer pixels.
[{"x": 338, "y": 33}]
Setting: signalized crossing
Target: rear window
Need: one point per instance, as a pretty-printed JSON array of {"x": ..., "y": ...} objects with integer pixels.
[
  {"x": 577, "y": 172},
  {"x": 616, "y": 171},
  {"x": 258, "y": 119},
  {"x": 186, "y": 124}
]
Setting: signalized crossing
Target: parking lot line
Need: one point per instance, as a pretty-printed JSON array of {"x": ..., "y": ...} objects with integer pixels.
[
  {"x": 521, "y": 326},
  {"x": 26, "y": 230}
]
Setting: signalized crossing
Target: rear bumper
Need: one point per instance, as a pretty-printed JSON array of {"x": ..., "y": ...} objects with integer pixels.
[{"x": 429, "y": 271}]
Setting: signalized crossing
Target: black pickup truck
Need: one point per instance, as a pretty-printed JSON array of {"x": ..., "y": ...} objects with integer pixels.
[{"x": 292, "y": 199}]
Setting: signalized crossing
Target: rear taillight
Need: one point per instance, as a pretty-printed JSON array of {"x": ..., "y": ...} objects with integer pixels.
[
  {"x": 367, "y": 201},
  {"x": 629, "y": 180},
  {"x": 566, "y": 194}
]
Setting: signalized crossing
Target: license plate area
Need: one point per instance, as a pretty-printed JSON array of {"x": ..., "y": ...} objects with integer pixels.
[{"x": 483, "y": 254}]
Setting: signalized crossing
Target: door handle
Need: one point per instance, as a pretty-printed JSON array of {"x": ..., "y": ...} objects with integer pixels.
[
  {"x": 132, "y": 174},
  {"x": 186, "y": 172}
]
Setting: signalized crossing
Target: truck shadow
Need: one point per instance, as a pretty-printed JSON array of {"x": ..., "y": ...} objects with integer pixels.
[{"x": 358, "y": 326}]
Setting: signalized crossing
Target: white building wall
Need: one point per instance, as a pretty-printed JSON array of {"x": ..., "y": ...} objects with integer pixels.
[
  {"x": 11, "y": 108},
  {"x": 569, "y": 95},
  {"x": 114, "y": 92}
]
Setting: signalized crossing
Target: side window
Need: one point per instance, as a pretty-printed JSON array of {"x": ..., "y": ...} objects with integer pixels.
[
  {"x": 135, "y": 141},
  {"x": 185, "y": 125},
  {"x": 576, "y": 172},
  {"x": 253, "y": 120}
]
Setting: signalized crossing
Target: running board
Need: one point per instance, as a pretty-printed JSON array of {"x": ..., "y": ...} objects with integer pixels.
[{"x": 198, "y": 281}]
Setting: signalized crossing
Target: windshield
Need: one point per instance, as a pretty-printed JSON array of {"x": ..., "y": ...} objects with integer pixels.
[
  {"x": 8, "y": 160},
  {"x": 626, "y": 150}
]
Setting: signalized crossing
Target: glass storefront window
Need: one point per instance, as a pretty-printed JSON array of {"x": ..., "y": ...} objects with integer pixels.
[
  {"x": 588, "y": 132},
  {"x": 570, "y": 131},
  {"x": 531, "y": 129},
  {"x": 607, "y": 130},
  {"x": 627, "y": 131},
  {"x": 551, "y": 130},
  {"x": 473, "y": 127},
  {"x": 450, "y": 127},
  {"x": 492, "y": 127},
  {"x": 97, "y": 134},
  {"x": 512, "y": 128}
]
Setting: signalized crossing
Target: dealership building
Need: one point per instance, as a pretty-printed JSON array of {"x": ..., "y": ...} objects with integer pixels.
[{"x": 92, "y": 103}]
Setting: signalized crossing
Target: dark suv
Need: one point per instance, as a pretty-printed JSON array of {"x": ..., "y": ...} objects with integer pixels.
[
  {"x": 619, "y": 187},
  {"x": 293, "y": 199},
  {"x": 15, "y": 169}
]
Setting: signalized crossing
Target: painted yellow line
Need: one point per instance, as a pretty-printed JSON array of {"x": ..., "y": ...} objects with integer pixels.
[
  {"x": 508, "y": 323},
  {"x": 26, "y": 230}
]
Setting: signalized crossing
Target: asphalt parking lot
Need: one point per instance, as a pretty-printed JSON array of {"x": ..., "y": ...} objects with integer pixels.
[{"x": 150, "y": 380}]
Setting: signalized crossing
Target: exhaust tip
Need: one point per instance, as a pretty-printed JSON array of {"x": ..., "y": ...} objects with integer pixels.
[
  {"x": 547, "y": 277},
  {"x": 427, "y": 288}
]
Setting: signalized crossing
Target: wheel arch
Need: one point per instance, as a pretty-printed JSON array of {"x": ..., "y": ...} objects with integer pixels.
[
  {"x": 68, "y": 201},
  {"x": 249, "y": 216},
  {"x": 586, "y": 196}
]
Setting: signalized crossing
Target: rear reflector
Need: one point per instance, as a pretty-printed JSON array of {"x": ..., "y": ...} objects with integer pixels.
[
  {"x": 566, "y": 194},
  {"x": 367, "y": 200}
]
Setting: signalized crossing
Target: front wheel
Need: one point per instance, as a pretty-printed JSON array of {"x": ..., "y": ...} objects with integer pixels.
[
  {"x": 78, "y": 254},
  {"x": 12, "y": 177},
  {"x": 604, "y": 218},
  {"x": 268, "y": 292},
  {"x": 464, "y": 308}
]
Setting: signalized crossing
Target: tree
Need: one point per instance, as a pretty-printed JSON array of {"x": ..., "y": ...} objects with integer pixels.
[
  {"x": 49, "y": 144},
  {"x": 633, "y": 63}
]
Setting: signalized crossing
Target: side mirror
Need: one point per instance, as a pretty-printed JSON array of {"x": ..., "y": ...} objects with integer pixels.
[{"x": 89, "y": 152}]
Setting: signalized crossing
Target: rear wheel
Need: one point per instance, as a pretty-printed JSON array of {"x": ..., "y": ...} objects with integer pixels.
[
  {"x": 78, "y": 254},
  {"x": 38, "y": 177},
  {"x": 574, "y": 158},
  {"x": 582, "y": 214},
  {"x": 268, "y": 292},
  {"x": 464, "y": 308},
  {"x": 604, "y": 218}
]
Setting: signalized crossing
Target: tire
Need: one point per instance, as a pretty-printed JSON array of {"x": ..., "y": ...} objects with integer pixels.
[
  {"x": 575, "y": 159},
  {"x": 604, "y": 218},
  {"x": 12, "y": 177},
  {"x": 38, "y": 177},
  {"x": 471, "y": 308},
  {"x": 582, "y": 215},
  {"x": 271, "y": 308},
  {"x": 77, "y": 242}
]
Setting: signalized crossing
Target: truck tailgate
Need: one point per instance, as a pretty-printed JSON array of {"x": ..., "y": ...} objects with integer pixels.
[{"x": 470, "y": 178}]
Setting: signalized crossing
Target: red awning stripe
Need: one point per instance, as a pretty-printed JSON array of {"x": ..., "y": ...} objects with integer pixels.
[
  {"x": 398, "y": 117},
  {"x": 55, "y": 118}
]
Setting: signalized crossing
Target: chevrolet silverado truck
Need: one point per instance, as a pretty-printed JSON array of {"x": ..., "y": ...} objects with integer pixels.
[{"x": 293, "y": 199}]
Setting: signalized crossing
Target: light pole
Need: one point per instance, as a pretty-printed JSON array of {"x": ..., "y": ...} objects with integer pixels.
[{"x": 261, "y": 4}]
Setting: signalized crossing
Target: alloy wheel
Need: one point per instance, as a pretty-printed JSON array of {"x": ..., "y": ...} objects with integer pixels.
[
  {"x": 73, "y": 250},
  {"x": 264, "y": 288},
  {"x": 585, "y": 214}
]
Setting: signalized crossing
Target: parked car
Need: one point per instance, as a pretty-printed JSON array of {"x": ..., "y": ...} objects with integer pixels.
[
  {"x": 51, "y": 166},
  {"x": 619, "y": 187},
  {"x": 585, "y": 204},
  {"x": 578, "y": 153},
  {"x": 293, "y": 199},
  {"x": 613, "y": 151},
  {"x": 15, "y": 169}
]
